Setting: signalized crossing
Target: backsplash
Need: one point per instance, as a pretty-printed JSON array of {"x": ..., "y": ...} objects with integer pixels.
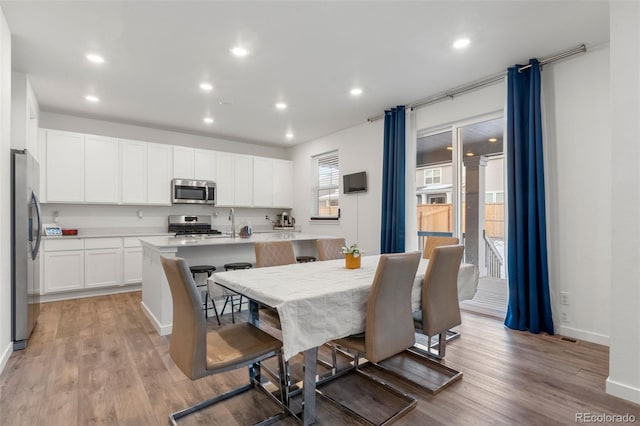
[{"x": 152, "y": 217}]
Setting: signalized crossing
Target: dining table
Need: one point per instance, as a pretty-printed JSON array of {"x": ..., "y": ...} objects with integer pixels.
[{"x": 318, "y": 302}]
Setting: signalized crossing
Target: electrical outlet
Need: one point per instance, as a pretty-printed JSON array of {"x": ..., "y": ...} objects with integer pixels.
[
  {"x": 564, "y": 298},
  {"x": 266, "y": 217},
  {"x": 564, "y": 317}
]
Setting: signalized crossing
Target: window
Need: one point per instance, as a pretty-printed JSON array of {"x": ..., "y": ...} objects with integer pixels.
[
  {"x": 437, "y": 199},
  {"x": 432, "y": 176},
  {"x": 326, "y": 189},
  {"x": 494, "y": 197}
]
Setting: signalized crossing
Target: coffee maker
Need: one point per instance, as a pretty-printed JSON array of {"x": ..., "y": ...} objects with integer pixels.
[{"x": 286, "y": 221}]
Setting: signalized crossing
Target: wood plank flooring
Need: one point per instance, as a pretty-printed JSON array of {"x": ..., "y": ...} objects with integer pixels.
[{"x": 98, "y": 361}]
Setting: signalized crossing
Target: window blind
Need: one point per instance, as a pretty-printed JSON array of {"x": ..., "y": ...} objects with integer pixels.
[{"x": 327, "y": 186}]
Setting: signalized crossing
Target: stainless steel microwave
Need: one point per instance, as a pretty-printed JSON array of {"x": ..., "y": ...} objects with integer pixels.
[{"x": 187, "y": 191}]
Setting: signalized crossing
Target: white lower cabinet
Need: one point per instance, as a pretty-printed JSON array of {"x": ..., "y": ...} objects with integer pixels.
[
  {"x": 131, "y": 261},
  {"x": 63, "y": 271},
  {"x": 78, "y": 264},
  {"x": 103, "y": 267}
]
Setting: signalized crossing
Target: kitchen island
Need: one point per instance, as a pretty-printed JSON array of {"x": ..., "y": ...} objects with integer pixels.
[{"x": 215, "y": 250}]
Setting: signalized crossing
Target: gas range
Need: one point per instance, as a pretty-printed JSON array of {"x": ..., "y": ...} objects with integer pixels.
[{"x": 192, "y": 226}]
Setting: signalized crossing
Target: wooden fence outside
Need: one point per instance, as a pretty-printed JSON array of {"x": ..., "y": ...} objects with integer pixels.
[{"x": 439, "y": 218}]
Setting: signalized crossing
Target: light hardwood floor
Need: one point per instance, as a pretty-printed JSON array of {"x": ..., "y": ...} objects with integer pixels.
[{"x": 98, "y": 361}]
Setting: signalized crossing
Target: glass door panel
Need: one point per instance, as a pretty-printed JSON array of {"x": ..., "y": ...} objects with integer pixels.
[
  {"x": 434, "y": 185},
  {"x": 460, "y": 192},
  {"x": 483, "y": 212},
  {"x": 482, "y": 190}
]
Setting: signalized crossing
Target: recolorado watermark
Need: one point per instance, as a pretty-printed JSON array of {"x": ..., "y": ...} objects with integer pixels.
[{"x": 604, "y": 418}]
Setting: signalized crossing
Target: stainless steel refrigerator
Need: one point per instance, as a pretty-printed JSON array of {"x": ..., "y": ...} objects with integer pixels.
[{"x": 25, "y": 241}]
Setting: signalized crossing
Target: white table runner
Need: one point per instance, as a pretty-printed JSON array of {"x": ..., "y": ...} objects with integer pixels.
[{"x": 321, "y": 301}]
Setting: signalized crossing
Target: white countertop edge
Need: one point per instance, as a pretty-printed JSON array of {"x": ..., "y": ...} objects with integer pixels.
[{"x": 158, "y": 243}]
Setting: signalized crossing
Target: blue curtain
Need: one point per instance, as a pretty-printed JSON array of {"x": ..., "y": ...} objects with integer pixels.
[
  {"x": 393, "y": 182},
  {"x": 529, "y": 303}
]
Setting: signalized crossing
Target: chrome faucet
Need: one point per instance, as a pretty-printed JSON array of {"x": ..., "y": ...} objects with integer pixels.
[{"x": 232, "y": 218}]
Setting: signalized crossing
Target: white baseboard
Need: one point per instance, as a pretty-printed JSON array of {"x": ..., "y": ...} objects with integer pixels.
[
  {"x": 162, "y": 330},
  {"x": 6, "y": 353},
  {"x": 56, "y": 297},
  {"x": 623, "y": 391},
  {"x": 587, "y": 336}
]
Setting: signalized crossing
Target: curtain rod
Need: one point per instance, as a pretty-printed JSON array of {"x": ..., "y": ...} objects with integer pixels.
[{"x": 486, "y": 81}]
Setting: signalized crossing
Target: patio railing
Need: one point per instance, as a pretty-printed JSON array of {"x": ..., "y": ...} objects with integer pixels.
[{"x": 492, "y": 258}]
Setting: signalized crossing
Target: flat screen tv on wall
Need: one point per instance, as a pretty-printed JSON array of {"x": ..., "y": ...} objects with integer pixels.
[{"x": 355, "y": 182}]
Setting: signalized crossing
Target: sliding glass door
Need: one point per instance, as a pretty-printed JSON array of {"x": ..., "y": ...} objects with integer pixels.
[{"x": 460, "y": 192}]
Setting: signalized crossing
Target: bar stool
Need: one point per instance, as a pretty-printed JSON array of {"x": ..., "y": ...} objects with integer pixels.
[
  {"x": 305, "y": 259},
  {"x": 235, "y": 266},
  {"x": 205, "y": 269}
]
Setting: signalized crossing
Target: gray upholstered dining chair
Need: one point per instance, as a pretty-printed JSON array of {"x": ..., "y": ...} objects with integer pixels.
[
  {"x": 433, "y": 242},
  {"x": 199, "y": 353},
  {"x": 440, "y": 309},
  {"x": 274, "y": 253},
  {"x": 430, "y": 244},
  {"x": 388, "y": 325},
  {"x": 330, "y": 248}
]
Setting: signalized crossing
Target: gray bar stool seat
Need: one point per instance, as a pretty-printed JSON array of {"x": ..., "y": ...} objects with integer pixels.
[
  {"x": 205, "y": 269},
  {"x": 235, "y": 266}
]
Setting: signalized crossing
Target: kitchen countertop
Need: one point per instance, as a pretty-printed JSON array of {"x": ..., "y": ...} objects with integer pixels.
[
  {"x": 114, "y": 232},
  {"x": 221, "y": 240}
]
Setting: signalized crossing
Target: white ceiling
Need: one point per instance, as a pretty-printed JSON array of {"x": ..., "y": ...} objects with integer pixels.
[{"x": 308, "y": 54}]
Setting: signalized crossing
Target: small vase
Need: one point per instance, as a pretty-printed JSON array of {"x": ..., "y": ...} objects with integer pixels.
[{"x": 351, "y": 261}]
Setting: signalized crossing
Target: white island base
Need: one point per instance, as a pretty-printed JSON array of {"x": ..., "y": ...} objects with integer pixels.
[{"x": 217, "y": 251}]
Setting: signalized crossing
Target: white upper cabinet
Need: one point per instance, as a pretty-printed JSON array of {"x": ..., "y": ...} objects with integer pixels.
[
  {"x": 271, "y": 182},
  {"x": 159, "y": 173},
  {"x": 234, "y": 179},
  {"x": 262, "y": 182},
  {"x": 204, "y": 164},
  {"x": 81, "y": 168},
  {"x": 24, "y": 115},
  {"x": 243, "y": 180},
  {"x": 133, "y": 161},
  {"x": 64, "y": 166},
  {"x": 282, "y": 192},
  {"x": 42, "y": 161},
  {"x": 190, "y": 163},
  {"x": 225, "y": 187},
  {"x": 183, "y": 162},
  {"x": 101, "y": 174}
]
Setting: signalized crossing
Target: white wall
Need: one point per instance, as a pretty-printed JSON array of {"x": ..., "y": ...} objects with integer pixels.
[
  {"x": 624, "y": 352},
  {"x": 5, "y": 192},
  {"x": 578, "y": 159},
  {"x": 360, "y": 149},
  {"x": 464, "y": 107},
  {"x": 73, "y": 123}
]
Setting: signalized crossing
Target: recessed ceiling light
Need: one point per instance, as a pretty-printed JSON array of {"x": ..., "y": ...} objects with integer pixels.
[
  {"x": 281, "y": 105},
  {"x": 289, "y": 135},
  {"x": 461, "y": 42},
  {"x": 208, "y": 120},
  {"x": 450, "y": 148},
  {"x": 356, "y": 91},
  {"x": 206, "y": 86},
  {"x": 92, "y": 98},
  {"x": 96, "y": 59},
  {"x": 493, "y": 140},
  {"x": 239, "y": 51},
  {"x": 469, "y": 154}
]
